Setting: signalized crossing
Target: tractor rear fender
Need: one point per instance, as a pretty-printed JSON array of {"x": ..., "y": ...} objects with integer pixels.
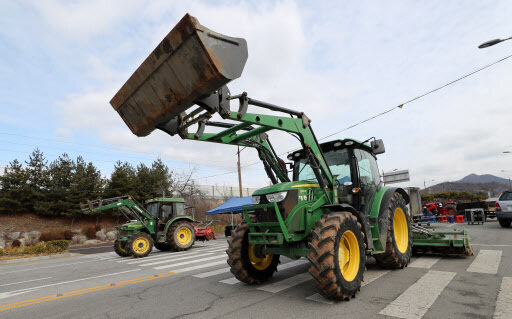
[
  {"x": 175, "y": 219},
  {"x": 379, "y": 212},
  {"x": 361, "y": 218}
]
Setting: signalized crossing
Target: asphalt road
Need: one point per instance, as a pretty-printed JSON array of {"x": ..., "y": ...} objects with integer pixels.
[{"x": 198, "y": 284}]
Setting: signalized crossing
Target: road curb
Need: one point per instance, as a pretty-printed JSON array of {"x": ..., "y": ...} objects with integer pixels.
[{"x": 29, "y": 259}]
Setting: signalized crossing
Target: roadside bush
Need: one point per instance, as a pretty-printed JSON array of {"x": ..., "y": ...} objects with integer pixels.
[
  {"x": 1, "y": 251},
  {"x": 89, "y": 231},
  {"x": 57, "y": 246},
  {"x": 16, "y": 243},
  {"x": 56, "y": 234}
]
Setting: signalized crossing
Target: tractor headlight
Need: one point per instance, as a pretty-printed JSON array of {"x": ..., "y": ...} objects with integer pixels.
[
  {"x": 256, "y": 200},
  {"x": 276, "y": 197}
]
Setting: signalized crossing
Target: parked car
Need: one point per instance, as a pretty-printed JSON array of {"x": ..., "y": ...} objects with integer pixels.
[{"x": 504, "y": 209}]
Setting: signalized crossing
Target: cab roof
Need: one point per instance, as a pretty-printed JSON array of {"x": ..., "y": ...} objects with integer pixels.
[
  {"x": 336, "y": 144},
  {"x": 165, "y": 200}
]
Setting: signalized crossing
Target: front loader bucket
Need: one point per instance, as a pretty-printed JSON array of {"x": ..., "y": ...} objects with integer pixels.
[{"x": 189, "y": 64}]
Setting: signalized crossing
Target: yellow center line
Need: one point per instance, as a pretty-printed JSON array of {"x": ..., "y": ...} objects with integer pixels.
[{"x": 72, "y": 293}]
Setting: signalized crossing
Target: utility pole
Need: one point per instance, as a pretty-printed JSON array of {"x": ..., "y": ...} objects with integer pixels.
[{"x": 239, "y": 173}]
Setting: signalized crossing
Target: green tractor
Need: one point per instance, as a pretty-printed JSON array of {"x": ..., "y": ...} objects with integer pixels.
[
  {"x": 333, "y": 210},
  {"x": 163, "y": 223}
]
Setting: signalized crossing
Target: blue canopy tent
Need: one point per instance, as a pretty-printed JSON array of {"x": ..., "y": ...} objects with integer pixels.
[{"x": 232, "y": 205}]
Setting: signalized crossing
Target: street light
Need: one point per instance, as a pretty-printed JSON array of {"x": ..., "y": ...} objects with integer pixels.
[{"x": 492, "y": 42}]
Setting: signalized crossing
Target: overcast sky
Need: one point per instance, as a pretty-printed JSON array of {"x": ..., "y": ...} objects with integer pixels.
[{"x": 339, "y": 62}]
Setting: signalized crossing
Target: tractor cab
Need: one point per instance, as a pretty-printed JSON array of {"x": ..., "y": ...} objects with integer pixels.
[
  {"x": 355, "y": 166},
  {"x": 164, "y": 209}
]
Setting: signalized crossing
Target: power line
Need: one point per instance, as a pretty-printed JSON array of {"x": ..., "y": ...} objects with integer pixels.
[{"x": 419, "y": 96}]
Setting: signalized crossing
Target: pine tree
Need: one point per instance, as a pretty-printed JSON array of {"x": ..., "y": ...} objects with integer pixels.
[
  {"x": 37, "y": 174},
  {"x": 161, "y": 178},
  {"x": 122, "y": 181},
  {"x": 13, "y": 197}
]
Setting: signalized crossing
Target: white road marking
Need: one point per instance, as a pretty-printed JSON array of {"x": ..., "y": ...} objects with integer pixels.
[
  {"x": 419, "y": 297},
  {"x": 424, "y": 262},
  {"x": 54, "y": 266},
  {"x": 21, "y": 282},
  {"x": 170, "y": 260},
  {"x": 215, "y": 263},
  {"x": 167, "y": 255},
  {"x": 188, "y": 262},
  {"x": 17, "y": 292},
  {"x": 230, "y": 281},
  {"x": 286, "y": 283},
  {"x": 487, "y": 262},
  {"x": 213, "y": 273},
  {"x": 233, "y": 280},
  {"x": 504, "y": 302},
  {"x": 369, "y": 276},
  {"x": 486, "y": 245}
]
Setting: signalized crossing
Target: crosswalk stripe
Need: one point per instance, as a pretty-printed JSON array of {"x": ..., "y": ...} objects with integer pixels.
[
  {"x": 215, "y": 263},
  {"x": 161, "y": 255},
  {"x": 233, "y": 280},
  {"x": 230, "y": 281},
  {"x": 504, "y": 302},
  {"x": 424, "y": 262},
  {"x": 487, "y": 262},
  {"x": 286, "y": 283},
  {"x": 213, "y": 273},
  {"x": 171, "y": 257},
  {"x": 419, "y": 297},
  {"x": 189, "y": 262},
  {"x": 175, "y": 259},
  {"x": 369, "y": 276}
]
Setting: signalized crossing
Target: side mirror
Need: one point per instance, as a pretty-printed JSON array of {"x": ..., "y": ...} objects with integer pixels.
[{"x": 377, "y": 147}]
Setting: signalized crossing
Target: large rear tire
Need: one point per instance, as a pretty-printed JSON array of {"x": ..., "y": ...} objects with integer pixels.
[
  {"x": 337, "y": 256},
  {"x": 505, "y": 223},
  {"x": 120, "y": 248},
  {"x": 247, "y": 264},
  {"x": 181, "y": 235},
  {"x": 140, "y": 245},
  {"x": 399, "y": 235}
]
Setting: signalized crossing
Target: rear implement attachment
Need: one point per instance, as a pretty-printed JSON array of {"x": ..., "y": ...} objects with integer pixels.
[{"x": 444, "y": 242}]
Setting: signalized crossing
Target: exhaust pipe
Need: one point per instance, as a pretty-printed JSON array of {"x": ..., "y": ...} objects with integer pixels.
[{"x": 190, "y": 64}]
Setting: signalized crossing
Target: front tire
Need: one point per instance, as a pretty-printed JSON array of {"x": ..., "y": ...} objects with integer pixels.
[
  {"x": 246, "y": 264},
  {"x": 337, "y": 256},
  {"x": 399, "y": 235},
  {"x": 140, "y": 245},
  {"x": 120, "y": 248},
  {"x": 505, "y": 223}
]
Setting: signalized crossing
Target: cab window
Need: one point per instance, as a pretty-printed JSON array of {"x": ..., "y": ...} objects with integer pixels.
[
  {"x": 338, "y": 161},
  {"x": 153, "y": 209},
  {"x": 180, "y": 209},
  {"x": 166, "y": 211},
  {"x": 368, "y": 169}
]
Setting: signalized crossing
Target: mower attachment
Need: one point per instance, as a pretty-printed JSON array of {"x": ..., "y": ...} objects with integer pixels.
[
  {"x": 188, "y": 66},
  {"x": 444, "y": 242}
]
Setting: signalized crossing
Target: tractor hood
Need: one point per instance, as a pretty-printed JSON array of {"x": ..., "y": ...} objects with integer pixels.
[
  {"x": 132, "y": 225},
  {"x": 285, "y": 187}
]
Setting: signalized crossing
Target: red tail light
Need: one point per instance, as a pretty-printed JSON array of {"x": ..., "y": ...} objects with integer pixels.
[{"x": 498, "y": 206}]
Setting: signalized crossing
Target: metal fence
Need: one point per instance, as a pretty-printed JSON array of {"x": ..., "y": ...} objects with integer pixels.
[{"x": 221, "y": 192}]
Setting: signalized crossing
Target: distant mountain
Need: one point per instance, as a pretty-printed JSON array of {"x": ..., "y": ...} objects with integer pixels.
[{"x": 481, "y": 179}]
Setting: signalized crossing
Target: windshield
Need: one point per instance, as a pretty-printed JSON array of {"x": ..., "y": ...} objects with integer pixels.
[
  {"x": 152, "y": 209},
  {"x": 338, "y": 163},
  {"x": 506, "y": 196}
]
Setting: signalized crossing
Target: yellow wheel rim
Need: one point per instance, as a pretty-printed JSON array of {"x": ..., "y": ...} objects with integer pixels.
[
  {"x": 121, "y": 248},
  {"x": 184, "y": 236},
  {"x": 260, "y": 263},
  {"x": 400, "y": 230},
  {"x": 349, "y": 255},
  {"x": 140, "y": 245}
]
